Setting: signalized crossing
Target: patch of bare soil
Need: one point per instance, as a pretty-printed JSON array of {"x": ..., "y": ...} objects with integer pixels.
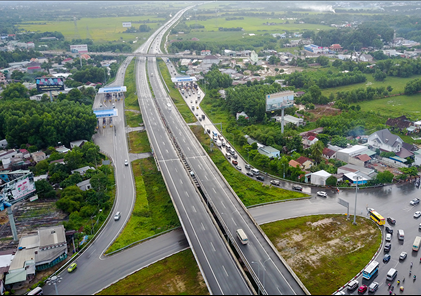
[{"x": 323, "y": 110}]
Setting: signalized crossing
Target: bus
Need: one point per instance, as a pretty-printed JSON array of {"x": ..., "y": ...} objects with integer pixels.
[
  {"x": 242, "y": 236},
  {"x": 416, "y": 245},
  {"x": 376, "y": 217},
  {"x": 370, "y": 270},
  {"x": 36, "y": 291}
]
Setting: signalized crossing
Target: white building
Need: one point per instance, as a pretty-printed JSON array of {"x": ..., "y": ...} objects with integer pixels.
[
  {"x": 290, "y": 119},
  {"x": 385, "y": 140},
  {"x": 319, "y": 178},
  {"x": 345, "y": 154}
]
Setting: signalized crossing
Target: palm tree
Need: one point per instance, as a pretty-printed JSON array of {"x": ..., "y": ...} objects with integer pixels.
[{"x": 317, "y": 150}]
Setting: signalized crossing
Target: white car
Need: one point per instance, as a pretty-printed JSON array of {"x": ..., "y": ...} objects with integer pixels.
[
  {"x": 238, "y": 167},
  {"x": 126, "y": 163},
  {"x": 417, "y": 214},
  {"x": 322, "y": 193},
  {"x": 388, "y": 237}
]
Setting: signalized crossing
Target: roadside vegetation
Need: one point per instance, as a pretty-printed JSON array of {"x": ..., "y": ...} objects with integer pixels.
[
  {"x": 133, "y": 119},
  {"x": 139, "y": 142},
  {"x": 175, "y": 275},
  {"x": 130, "y": 99},
  {"x": 328, "y": 246},
  {"x": 153, "y": 211},
  {"x": 251, "y": 192},
  {"x": 175, "y": 94}
]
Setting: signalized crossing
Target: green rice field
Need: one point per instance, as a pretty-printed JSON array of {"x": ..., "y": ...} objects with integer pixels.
[
  {"x": 395, "y": 106},
  {"x": 100, "y": 29}
]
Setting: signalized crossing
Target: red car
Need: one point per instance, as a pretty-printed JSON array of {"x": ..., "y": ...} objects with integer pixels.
[
  {"x": 362, "y": 289},
  {"x": 234, "y": 162}
]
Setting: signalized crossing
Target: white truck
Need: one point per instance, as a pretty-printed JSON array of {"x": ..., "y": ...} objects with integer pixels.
[{"x": 218, "y": 143}]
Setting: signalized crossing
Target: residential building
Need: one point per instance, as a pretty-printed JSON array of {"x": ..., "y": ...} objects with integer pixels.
[
  {"x": 254, "y": 57},
  {"x": 3, "y": 78},
  {"x": 335, "y": 47},
  {"x": 307, "y": 142},
  {"x": 205, "y": 52},
  {"x": 385, "y": 140},
  {"x": 290, "y": 119},
  {"x": 36, "y": 253},
  {"x": 345, "y": 154},
  {"x": 83, "y": 170},
  {"x": 62, "y": 149},
  {"x": 294, "y": 164},
  {"x": 3, "y": 144},
  {"x": 269, "y": 151},
  {"x": 352, "y": 168},
  {"x": 355, "y": 178},
  {"x": 366, "y": 58},
  {"x": 306, "y": 163},
  {"x": 299, "y": 94},
  {"x": 319, "y": 177},
  {"x": 78, "y": 143},
  {"x": 417, "y": 157},
  {"x": 58, "y": 161},
  {"x": 328, "y": 153},
  {"x": 7, "y": 154},
  {"x": 316, "y": 49},
  {"x": 38, "y": 156},
  {"x": 241, "y": 114},
  {"x": 84, "y": 185},
  {"x": 210, "y": 59}
]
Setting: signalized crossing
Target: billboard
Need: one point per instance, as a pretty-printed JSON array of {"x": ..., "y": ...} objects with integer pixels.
[
  {"x": 127, "y": 25},
  {"x": 20, "y": 188},
  {"x": 279, "y": 100},
  {"x": 49, "y": 83},
  {"x": 80, "y": 48}
]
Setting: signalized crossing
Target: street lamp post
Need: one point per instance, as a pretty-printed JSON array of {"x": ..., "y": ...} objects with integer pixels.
[
  {"x": 54, "y": 280},
  {"x": 355, "y": 206}
]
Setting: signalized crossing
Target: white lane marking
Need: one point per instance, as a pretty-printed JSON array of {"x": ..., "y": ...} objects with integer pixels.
[
  {"x": 187, "y": 194},
  {"x": 213, "y": 189},
  {"x": 181, "y": 181},
  {"x": 213, "y": 248},
  {"x": 206, "y": 176},
  {"x": 226, "y": 273},
  {"x": 233, "y": 221},
  {"x": 194, "y": 209},
  {"x": 223, "y": 205},
  {"x": 163, "y": 143},
  {"x": 203, "y": 226},
  {"x": 200, "y": 167}
]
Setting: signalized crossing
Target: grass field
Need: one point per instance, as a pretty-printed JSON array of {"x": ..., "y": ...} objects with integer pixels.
[
  {"x": 256, "y": 24},
  {"x": 130, "y": 100},
  {"x": 397, "y": 83},
  {"x": 395, "y": 106},
  {"x": 325, "y": 251},
  {"x": 153, "y": 212},
  {"x": 133, "y": 119},
  {"x": 139, "y": 142},
  {"x": 100, "y": 29},
  {"x": 175, "y": 94},
  {"x": 175, "y": 275},
  {"x": 250, "y": 192}
]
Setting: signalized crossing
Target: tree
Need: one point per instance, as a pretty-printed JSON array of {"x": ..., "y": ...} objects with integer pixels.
[
  {"x": 73, "y": 158},
  {"x": 384, "y": 177},
  {"x": 389, "y": 88},
  {"x": 44, "y": 189},
  {"x": 15, "y": 91},
  {"x": 322, "y": 60},
  {"x": 331, "y": 181},
  {"x": 316, "y": 151},
  {"x": 337, "y": 63},
  {"x": 99, "y": 182},
  {"x": 379, "y": 75}
]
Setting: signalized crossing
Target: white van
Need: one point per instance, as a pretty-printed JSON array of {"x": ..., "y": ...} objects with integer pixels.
[
  {"x": 242, "y": 236},
  {"x": 391, "y": 274},
  {"x": 401, "y": 234},
  {"x": 255, "y": 171}
]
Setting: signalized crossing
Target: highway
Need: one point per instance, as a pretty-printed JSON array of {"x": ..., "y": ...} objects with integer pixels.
[
  {"x": 276, "y": 279},
  {"x": 219, "y": 269}
]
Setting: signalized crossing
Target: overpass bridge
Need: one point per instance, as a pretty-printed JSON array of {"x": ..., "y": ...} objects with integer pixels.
[{"x": 138, "y": 54}]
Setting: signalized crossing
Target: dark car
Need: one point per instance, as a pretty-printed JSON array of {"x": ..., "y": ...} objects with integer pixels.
[
  {"x": 260, "y": 178},
  {"x": 390, "y": 220},
  {"x": 389, "y": 230},
  {"x": 387, "y": 247},
  {"x": 297, "y": 187},
  {"x": 250, "y": 174},
  {"x": 386, "y": 258}
]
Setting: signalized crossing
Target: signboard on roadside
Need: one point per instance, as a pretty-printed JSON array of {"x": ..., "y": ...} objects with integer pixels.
[
  {"x": 79, "y": 48},
  {"x": 279, "y": 100},
  {"x": 127, "y": 25},
  {"x": 49, "y": 83}
]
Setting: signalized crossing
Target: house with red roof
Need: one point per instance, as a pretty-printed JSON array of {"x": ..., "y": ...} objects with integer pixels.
[
  {"x": 305, "y": 162},
  {"x": 328, "y": 153},
  {"x": 336, "y": 47}
]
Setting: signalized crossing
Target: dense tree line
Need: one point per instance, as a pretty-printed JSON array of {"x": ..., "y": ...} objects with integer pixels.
[
  {"x": 400, "y": 67},
  {"x": 17, "y": 56},
  {"x": 216, "y": 80},
  {"x": 91, "y": 74},
  {"x": 45, "y": 124},
  {"x": 230, "y": 29}
]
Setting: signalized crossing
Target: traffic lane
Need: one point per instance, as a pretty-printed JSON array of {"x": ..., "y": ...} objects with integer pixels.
[
  {"x": 219, "y": 271},
  {"x": 256, "y": 250},
  {"x": 219, "y": 268}
]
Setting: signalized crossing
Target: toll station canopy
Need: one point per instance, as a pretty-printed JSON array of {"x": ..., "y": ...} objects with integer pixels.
[
  {"x": 183, "y": 79},
  {"x": 112, "y": 89},
  {"x": 99, "y": 113}
]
